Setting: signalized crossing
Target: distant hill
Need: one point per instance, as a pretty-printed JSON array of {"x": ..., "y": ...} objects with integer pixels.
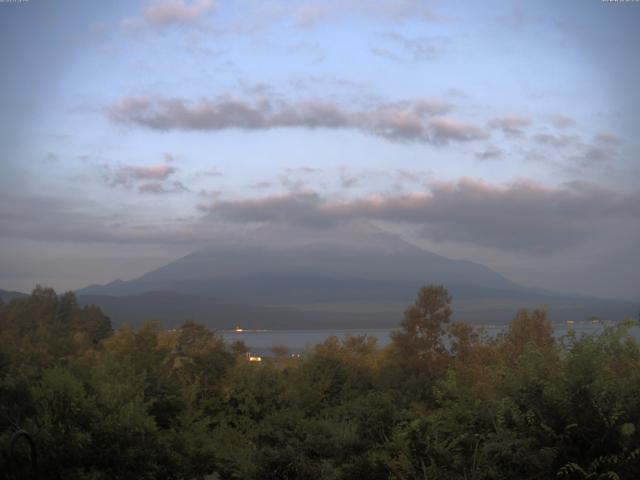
[
  {"x": 310, "y": 278},
  {"x": 7, "y": 295}
]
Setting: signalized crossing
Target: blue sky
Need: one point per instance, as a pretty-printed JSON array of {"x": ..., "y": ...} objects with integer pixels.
[{"x": 503, "y": 132}]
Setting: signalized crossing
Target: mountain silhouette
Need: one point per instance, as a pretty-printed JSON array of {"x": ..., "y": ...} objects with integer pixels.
[{"x": 353, "y": 275}]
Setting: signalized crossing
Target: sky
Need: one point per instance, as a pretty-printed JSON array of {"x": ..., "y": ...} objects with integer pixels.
[{"x": 503, "y": 132}]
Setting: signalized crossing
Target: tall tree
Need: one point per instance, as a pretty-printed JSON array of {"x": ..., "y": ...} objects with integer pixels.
[
  {"x": 420, "y": 337},
  {"x": 529, "y": 329}
]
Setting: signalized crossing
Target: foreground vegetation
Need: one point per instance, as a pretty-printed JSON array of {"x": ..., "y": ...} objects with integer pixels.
[{"x": 442, "y": 401}]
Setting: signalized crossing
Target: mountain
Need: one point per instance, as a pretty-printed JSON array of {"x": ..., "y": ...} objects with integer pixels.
[
  {"x": 309, "y": 270},
  {"x": 350, "y": 275},
  {"x": 8, "y": 295}
]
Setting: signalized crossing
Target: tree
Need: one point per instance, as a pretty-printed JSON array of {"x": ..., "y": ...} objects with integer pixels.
[
  {"x": 421, "y": 332},
  {"x": 529, "y": 329},
  {"x": 67, "y": 304},
  {"x": 463, "y": 340},
  {"x": 197, "y": 340}
]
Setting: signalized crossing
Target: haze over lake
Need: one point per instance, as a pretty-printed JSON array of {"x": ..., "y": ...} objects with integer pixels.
[{"x": 301, "y": 341}]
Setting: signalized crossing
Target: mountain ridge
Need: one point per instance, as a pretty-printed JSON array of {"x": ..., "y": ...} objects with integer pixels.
[
  {"x": 272, "y": 277},
  {"x": 366, "y": 256}
]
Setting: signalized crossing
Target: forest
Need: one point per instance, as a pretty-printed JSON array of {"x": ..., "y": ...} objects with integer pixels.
[{"x": 443, "y": 400}]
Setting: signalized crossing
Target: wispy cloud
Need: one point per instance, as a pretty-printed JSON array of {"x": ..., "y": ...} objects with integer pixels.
[
  {"x": 560, "y": 120},
  {"x": 511, "y": 125},
  {"x": 260, "y": 185},
  {"x": 558, "y": 141},
  {"x": 590, "y": 156},
  {"x": 521, "y": 216},
  {"x": 601, "y": 152},
  {"x": 609, "y": 139},
  {"x": 386, "y": 54},
  {"x": 416, "y": 48},
  {"x": 165, "y": 13},
  {"x": 491, "y": 153},
  {"x": 296, "y": 207},
  {"x": 159, "y": 188},
  {"x": 445, "y": 130},
  {"x": 311, "y": 13},
  {"x": 129, "y": 174},
  {"x": 418, "y": 120}
]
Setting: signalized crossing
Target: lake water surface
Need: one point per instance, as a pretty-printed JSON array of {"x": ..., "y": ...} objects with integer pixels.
[{"x": 297, "y": 341}]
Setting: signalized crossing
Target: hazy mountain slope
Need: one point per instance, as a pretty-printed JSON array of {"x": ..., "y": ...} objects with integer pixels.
[
  {"x": 358, "y": 264},
  {"x": 8, "y": 295},
  {"x": 226, "y": 283}
]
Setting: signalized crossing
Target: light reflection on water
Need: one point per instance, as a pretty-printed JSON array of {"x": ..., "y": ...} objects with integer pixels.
[{"x": 297, "y": 341}]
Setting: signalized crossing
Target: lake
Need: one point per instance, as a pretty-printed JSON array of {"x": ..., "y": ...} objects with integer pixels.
[{"x": 297, "y": 341}]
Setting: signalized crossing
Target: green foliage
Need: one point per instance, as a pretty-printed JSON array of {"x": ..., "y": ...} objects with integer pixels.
[
  {"x": 45, "y": 326},
  {"x": 422, "y": 329},
  {"x": 442, "y": 401}
]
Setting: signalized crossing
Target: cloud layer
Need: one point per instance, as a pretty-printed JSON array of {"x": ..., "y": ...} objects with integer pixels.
[
  {"x": 310, "y": 13},
  {"x": 153, "y": 179},
  {"x": 128, "y": 174},
  {"x": 421, "y": 120},
  {"x": 167, "y": 13},
  {"x": 521, "y": 216}
]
